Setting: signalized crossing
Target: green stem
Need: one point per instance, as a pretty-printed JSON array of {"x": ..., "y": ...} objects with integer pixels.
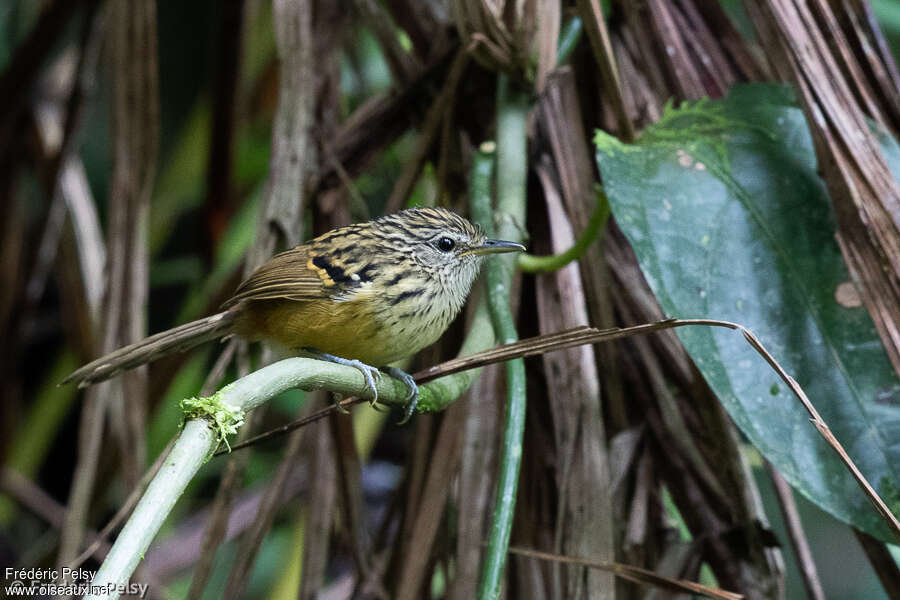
[
  {"x": 568, "y": 39},
  {"x": 440, "y": 393},
  {"x": 530, "y": 263},
  {"x": 512, "y": 169},
  {"x": 197, "y": 441}
]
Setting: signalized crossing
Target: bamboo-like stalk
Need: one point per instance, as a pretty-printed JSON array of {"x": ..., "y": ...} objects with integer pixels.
[
  {"x": 512, "y": 170},
  {"x": 197, "y": 442}
]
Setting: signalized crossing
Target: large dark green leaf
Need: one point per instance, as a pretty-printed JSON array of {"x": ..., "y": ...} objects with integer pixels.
[{"x": 729, "y": 220}]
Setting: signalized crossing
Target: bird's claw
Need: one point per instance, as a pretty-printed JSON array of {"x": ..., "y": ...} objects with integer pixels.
[
  {"x": 369, "y": 373},
  {"x": 412, "y": 397}
]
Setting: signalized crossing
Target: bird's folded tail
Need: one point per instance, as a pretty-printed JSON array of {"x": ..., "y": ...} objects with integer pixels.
[{"x": 178, "y": 339}]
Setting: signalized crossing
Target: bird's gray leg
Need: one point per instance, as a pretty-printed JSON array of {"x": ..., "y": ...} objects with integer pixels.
[
  {"x": 412, "y": 398},
  {"x": 369, "y": 372}
]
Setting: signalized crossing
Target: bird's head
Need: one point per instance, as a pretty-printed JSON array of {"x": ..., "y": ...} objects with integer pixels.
[{"x": 442, "y": 243}]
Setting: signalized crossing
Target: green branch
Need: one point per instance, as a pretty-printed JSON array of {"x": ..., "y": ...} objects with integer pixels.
[
  {"x": 530, "y": 263},
  {"x": 200, "y": 437},
  {"x": 512, "y": 168}
]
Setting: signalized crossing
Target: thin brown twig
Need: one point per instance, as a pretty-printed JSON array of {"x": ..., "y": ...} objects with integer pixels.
[
  {"x": 217, "y": 373},
  {"x": 418, "y": 548},
  {"x": 90, "y": 433},
  {"x": 403, "y": 65},
  {"x": 23, "y": 68},
  {"x": 57, "y": 128},
  {"x": 294, "y": 156},
  {"x": 585, "y": 519},
  {"x": 340, "y": 406},
  {"x": 631, "y": 573},
  {"x": 378, "y": 122},
  {"x": 826, "y": 433},
  {"x": 592, "y": 16},
  {"x": 538, "y": 345},
  {"x": 349, "y": 480},
  {"x": 135, "y": 124},
  {"x": 794, "y": 527},
  {"x": 482, "y": 427},
  {"x": 268, "y": 507},
  {"x": 430, "y": 128},
  {"x": 358, "y": 206},
  {"x": 588, "y": 335},
  {"x": 320, "y": 510}
]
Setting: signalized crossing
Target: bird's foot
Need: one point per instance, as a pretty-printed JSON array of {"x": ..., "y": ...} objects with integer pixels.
[
  {"x": 369, "y": 373},
  {"x": 412, "y": 398}
]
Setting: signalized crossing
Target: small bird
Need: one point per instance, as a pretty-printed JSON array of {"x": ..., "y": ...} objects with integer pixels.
[{"x": 365, "y": 295}]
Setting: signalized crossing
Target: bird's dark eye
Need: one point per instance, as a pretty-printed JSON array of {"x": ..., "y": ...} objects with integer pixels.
[{"x": 445, "y": 244}]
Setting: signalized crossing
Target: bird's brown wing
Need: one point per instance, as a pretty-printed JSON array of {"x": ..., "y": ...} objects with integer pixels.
[{"x": 286, "y": 276}]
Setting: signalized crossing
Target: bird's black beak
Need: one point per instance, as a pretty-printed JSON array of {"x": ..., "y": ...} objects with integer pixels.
[{"x": 496, "y": 247}]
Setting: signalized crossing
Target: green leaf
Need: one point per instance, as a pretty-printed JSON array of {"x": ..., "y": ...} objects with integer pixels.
[{"x": 722, "y": 204}]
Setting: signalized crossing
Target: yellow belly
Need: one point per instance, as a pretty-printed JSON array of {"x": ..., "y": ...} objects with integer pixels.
[{"x": 346, "y": 329}]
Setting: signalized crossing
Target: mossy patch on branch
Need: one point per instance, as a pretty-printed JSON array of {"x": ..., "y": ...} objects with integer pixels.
[{"x": 224, "y": 419}]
